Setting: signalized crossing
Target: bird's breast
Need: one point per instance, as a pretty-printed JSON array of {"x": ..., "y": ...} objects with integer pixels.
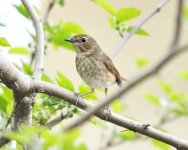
[{"x": 92, "y": 70}]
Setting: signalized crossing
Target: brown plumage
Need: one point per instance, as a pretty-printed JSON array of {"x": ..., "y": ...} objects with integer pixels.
[{"x": 93, "y": 65}]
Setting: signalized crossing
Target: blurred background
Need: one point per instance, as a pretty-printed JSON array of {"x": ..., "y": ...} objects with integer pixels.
[{"x": 151, "y": 101}]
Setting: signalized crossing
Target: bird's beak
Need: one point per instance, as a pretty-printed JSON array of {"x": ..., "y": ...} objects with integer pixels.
[{"x": 69, "y": 40}]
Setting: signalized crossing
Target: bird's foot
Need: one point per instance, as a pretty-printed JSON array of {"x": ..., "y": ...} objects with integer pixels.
[
  {"x": 79, "y": 96},
  {"x": 107, "y": 112}
]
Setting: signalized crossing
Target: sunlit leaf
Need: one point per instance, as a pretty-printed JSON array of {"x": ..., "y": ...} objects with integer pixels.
[
  {"x": 183, "y": 74},
  {"x": 152, "y": 98},
  {"x": 139, "y": 31},
  {"x": 83, "y": 89},
  {"x": 186, "y": 12},
  {"x": 4, "y": 42},
  {"x": 61, "y": 2},
  {"x": 127, "y": 135},
  {"x": 165, "y": 86},
  {"x": 21, "y": 9},
  {"x": 141, "y": 62},
  {"x": 20, "y": 138},
  {"x": 64, "y": 81},
  {"x": 27, "y": 68},
  {"x": 118, "y": 106},
  {"x": 106, "y": 6},
  {"x": 58, "y": 33},
  {"x": 125, "y": 14},
  {"x": 73, "y": 28},
  {"x": 113, "y": 22},
  {"x": 160, "y": 145},
  {"x": 46, "y": 78},
  {"x": 19, "y": 50},
  {"x": 6, "y": 100}
]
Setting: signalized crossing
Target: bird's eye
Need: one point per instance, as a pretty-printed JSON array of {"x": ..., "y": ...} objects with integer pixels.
[{"x": 84, "y": 40}]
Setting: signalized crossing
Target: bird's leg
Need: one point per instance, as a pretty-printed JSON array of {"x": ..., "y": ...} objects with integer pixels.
[
  {"x": 82, "y": 95},
  {"x": 79, "y": 96},
  {"x": 92, "y": 90},
  {"x": 106, "y": 108}
]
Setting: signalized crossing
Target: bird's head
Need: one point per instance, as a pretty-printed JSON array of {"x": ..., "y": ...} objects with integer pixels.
[{"x": 83, "y": 44}]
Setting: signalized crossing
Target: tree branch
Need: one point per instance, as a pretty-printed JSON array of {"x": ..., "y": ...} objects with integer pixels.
[
  {"x": 39, "y": 49},
  {"x": 135, "y": 81},
  {"x": 51, "y": 89},
  {"x": 178, "y": 24},
  {"x": 57, "y": 119},
  {"x": 148, "y": 16}
]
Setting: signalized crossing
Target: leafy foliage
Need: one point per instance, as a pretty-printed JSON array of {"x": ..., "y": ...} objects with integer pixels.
[
  {"x": 141, "y": 62},
  {"x": 152, "y": 98},
  {"x": 64, "y": 81},
  {"x": 83, "y": 89},
  {"x": 118, "y": 18},
  {"x": 21, "y": 9},
  {"x": 6, "y": 100},
  {"x": 186, "y": 12},
  {"x": 62, "y": 30},
  {"x": 4, "y": 42},
  {"x": 160, "y": 146},
  {"x": 183, "y": 74},
  {"x": 106, "y": 6},
  {"x": 125, "y": 14},
  {"x": 19, "y": 50}
]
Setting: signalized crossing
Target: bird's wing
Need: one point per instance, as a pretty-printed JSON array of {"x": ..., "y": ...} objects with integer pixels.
[{"x": 110, "y": 66}]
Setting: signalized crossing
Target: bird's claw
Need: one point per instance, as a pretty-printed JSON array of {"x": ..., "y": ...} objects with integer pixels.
[
  {"x": 79, "y": 96},
  {"x": 107, "y": 112}
]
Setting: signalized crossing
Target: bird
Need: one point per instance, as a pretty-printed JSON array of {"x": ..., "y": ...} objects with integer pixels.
[{"x": 92, "y": 64}]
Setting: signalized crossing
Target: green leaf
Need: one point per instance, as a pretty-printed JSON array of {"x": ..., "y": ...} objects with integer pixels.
[
  {"x": 183, "y": 74},
  {"x": 61, "y": 31},
  {"x": 127, "y": 135},
  {"x": 141, "y": 62},
  {"x": 27, "y": 68},
  {"x": 21, "y": 9},
  {"x": 18, "y": 137},
  {"x": 4, "y": 42},
  {"x": 46, "y": 78},
  {"x": 139, "y": 31},
  {"x": 152, "y": 98},
  {"x": 83, "y": 89},
  {"x": 118, "y": 106},
  {"x": 165, "y": 86},
  {"x": 19, "y": 50},
  {"x": 125, "y": 14},
  {"x": 106, "y": 6},
  {"x": 61, "y": 2},
  {"x": 160, "y": 145},
  {"x": 185, "y": 12},
  {"x": 64, "y": 81},
  {"x": 6, "y": 100},
  {"x": 72, "y": 27},
  {"x": 113, "y": 22}
]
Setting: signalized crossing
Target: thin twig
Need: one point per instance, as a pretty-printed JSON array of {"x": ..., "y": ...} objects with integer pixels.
[
  {"x": 48, "y": 10},
  {"x": 39, "y": 48},
  {"x": 125, "y": 39},
  {"x": 57, "y": 119},
  {"x": 178, "y": 24}
]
